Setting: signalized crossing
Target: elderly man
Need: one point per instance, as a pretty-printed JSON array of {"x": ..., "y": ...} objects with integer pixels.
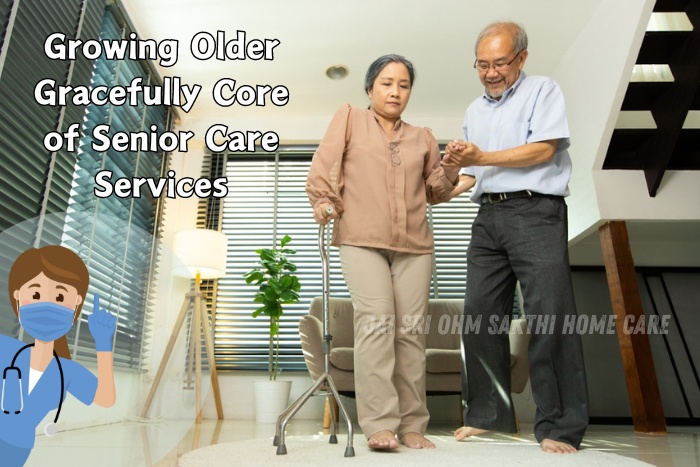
[{"x": 515, "y": 151}]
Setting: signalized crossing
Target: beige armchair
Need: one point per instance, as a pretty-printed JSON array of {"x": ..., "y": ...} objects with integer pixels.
[{"x": 443, "y": 354}]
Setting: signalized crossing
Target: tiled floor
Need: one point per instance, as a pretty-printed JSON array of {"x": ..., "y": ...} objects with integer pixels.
[{"x": 159, "y": 443}]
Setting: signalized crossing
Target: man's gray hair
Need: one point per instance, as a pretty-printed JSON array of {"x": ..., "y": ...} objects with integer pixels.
[{"x": 516, "y": 32}]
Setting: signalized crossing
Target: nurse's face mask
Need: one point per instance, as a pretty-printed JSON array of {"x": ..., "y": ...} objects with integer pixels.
[{"x": 46, "y": 321}]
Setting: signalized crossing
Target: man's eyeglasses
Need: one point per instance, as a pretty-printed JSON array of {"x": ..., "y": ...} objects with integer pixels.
[{"x": 484, "y": 66}]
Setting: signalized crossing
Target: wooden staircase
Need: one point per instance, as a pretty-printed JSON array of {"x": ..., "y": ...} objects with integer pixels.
[{"x": 669, "y": 146}]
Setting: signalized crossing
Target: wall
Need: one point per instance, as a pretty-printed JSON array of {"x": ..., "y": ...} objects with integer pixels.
[
  {"x": 673, "y": 351},
  {"x": 624, "y": 195},
  {"x": 662, "y": 243}
]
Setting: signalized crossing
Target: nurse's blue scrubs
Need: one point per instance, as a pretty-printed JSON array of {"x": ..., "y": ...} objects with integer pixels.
[{"x": 17, "y": 431}]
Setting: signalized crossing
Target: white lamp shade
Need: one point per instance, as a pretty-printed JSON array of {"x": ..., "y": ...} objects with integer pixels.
[{"x": 200, "y": 251}]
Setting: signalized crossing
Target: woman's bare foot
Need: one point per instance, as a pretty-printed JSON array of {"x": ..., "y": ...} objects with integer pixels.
[
  {"x": 383, "y": 440},
  {"x": 415, "y": 440},
  {"x": 557, "y": 447},
  {"x": 467, "y": 431}
]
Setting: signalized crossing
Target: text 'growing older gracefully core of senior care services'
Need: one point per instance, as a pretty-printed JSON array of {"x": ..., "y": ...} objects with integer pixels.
[{"x": 172, "y": 91}]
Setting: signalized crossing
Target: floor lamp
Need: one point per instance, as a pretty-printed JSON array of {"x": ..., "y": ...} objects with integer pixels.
[{"x": 199, "y": 254}]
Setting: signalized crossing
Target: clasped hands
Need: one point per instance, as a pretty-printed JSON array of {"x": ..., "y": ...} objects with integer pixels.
[{"x": 461, "y": 154}]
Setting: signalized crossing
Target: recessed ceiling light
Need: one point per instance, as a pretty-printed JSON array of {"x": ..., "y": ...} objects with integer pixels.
[{"x": 337, "y": 71}]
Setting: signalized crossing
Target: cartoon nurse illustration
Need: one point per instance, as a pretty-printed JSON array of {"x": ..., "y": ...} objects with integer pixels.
[{"x": 47, "y": 288}]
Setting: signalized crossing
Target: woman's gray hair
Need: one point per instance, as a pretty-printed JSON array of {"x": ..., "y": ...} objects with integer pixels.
[
  {"x": 378, "y": 65},
  {"x": 516, "y": 32}
]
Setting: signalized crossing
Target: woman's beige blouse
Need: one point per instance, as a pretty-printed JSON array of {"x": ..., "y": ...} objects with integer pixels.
[{"x": 378, "y": 187}]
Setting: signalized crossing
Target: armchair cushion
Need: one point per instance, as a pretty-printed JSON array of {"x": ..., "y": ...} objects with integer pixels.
[
  {"x": 442, "y": 360},
  {"x": 343, "y": 358}
]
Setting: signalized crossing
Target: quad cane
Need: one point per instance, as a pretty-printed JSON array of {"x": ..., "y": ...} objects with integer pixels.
[{"x": 324, "y": 382}]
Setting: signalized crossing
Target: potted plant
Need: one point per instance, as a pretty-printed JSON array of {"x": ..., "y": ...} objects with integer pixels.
[{"x": 278, "y": 286}]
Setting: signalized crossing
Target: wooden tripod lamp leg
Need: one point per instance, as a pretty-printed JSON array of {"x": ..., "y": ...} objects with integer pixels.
[
  {"x": 168, "y": 350},
  {"x": 327, "y": 417},
  {"x": 210, "y": 357},
  {"x": 197, "y": 342}
]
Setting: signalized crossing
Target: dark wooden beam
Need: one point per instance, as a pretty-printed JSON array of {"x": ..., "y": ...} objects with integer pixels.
[
  {"x": 658, "y": 46},
  {"x": 670, "y": 113},
  {"x": 670, "y": 5},
  {"x": 687, "y": 154},
  {"x": 643, "y": 95},
  {"x": 637, "y": 360},
  {"x": 626, "y": 148},
  {"x": 695, "y": 105}
]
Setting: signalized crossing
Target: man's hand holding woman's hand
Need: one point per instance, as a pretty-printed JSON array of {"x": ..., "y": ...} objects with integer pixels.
[{"x": 461, "y": 154}]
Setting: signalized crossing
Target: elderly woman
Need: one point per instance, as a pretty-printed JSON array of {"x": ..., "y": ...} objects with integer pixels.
[{"x": 378, "y": 172}]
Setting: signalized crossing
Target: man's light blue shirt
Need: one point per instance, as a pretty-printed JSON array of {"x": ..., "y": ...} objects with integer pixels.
[{"x": 531, "y": 110}]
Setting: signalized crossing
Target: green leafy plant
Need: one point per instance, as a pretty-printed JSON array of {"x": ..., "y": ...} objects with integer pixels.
[{"x": 278, "y": 287}]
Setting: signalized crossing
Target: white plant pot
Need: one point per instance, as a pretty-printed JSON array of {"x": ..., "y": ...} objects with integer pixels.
[{"x": 271, "y": 398}]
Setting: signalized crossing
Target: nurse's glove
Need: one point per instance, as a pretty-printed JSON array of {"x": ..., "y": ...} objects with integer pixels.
[{"x": 102, "y": 325}]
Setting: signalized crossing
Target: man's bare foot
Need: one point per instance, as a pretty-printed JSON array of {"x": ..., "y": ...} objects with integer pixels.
[
  {"x": 415, "y": 440},
  {"x": 557, "y": 447},
  {"x": 384, "y": 440},
  {"x": 467, "y": 431}
]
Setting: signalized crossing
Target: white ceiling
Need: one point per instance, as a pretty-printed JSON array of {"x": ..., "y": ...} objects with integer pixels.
[{"x": 437, "y": 36}]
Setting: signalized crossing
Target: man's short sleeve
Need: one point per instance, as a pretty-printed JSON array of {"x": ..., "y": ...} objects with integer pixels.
[{"x": 549, "y": 120}]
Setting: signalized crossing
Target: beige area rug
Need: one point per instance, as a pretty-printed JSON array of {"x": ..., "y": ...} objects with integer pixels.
[{"x": 316, "y": 451}]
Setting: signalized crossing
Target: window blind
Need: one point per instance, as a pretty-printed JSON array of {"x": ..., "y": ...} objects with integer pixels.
[
  {"x": 5, "y": 10},
  {"x": 266, "y": 201},
  {"x": 452, "y": 225}
]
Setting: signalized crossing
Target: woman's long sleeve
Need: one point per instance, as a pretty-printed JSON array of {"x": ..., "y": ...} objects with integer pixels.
[
  {"x": 437, "y": 185},
  {"x": 325, "y": 180}
]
